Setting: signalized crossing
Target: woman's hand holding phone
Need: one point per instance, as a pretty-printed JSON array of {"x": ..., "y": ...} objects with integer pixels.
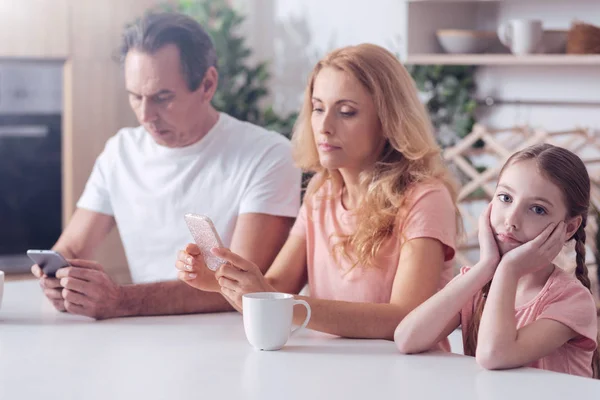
[
  {"x": 193, "y": 270},
  {"x": 196, "y": 264}
]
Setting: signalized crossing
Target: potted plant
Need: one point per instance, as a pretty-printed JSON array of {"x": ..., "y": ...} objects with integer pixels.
[
  {"x": 243, "y": 88},
  {"x": 449, "y": 95}
]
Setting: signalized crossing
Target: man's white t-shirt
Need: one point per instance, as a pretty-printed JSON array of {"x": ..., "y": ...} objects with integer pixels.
[{"x": 237, "y": 168}]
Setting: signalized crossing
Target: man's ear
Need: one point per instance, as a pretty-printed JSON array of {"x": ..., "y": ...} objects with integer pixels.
[{"x": 209, "y": 84}]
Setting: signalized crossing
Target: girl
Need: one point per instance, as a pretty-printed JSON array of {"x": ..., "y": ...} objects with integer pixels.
[
  {"x": 531, "y": 313},
  {"x": 375, "y": 235}
]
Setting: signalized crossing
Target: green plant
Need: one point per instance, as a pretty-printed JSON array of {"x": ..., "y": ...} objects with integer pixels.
[
  {"x": 449, "y": 94},
  {"x": 242, "y": 88},
  {"x": 449, "y": 91}
]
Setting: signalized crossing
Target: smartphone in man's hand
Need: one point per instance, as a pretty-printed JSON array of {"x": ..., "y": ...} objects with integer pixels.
[{"x": 49, "y": 261}]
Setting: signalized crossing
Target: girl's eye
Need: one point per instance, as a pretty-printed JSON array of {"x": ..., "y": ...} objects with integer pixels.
[
  {"x": 538, "y": 210},
  {"x": 317, "y": 109},
  {"x": 504, "y": 198}
]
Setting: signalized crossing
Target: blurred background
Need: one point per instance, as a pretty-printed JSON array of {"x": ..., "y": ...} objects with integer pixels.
[{"x": 493, "y": 74}]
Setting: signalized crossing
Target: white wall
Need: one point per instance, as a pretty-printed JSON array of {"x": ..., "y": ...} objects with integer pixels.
[
  {"x": 295, "y": 34},
  {"x": 578, "y": 83}
]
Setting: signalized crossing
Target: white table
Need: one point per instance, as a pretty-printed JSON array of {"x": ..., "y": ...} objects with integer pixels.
[{"x": 49, "y": 355}]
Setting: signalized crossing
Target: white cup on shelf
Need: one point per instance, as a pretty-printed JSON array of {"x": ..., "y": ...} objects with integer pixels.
[{"x": 521, "y": 36}]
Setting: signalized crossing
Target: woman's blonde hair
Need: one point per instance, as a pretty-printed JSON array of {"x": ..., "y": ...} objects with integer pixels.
[{"x": 410, "y": 153}]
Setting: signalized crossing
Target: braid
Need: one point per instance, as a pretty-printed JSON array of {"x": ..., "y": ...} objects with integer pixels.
[{"x": 581, "y": 272}]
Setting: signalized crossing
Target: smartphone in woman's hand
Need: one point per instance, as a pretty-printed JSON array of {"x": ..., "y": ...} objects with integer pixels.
[{"x": 206, "y": 237}]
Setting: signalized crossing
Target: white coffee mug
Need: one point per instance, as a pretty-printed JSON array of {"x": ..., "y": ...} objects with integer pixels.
[
  {"x": 268, "y": 319},
  {"x": 1, "y": 287},
  {"x": 521, "y": 36}
]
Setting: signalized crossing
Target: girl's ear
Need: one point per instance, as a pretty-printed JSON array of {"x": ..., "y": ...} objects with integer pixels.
[{"x": 572, "y": 225}]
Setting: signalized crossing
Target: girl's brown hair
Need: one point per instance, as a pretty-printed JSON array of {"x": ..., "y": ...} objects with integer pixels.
[
  {"x": 410, "y": 154},
  {"x": 566, "y": 170}
]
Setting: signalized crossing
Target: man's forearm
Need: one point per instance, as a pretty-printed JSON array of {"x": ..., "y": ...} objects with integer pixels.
[
  {"x": 165, "y": 298},
  {"x": 64, "y": 251}
]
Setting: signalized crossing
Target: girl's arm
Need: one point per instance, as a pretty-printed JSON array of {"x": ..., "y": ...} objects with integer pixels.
[
  {"x": 440, "y": 315},
  {"x": 500, "y": 344}
]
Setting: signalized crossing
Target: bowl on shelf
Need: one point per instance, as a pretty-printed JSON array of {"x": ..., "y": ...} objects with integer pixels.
[
  {"x": 463, "y": 41},
  {"x": 554, "y": 41}
]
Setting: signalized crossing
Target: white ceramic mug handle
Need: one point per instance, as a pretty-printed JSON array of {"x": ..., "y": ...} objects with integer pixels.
[
  {"x": 505, "y": 34},
  {"x": 305, "y": 304}
]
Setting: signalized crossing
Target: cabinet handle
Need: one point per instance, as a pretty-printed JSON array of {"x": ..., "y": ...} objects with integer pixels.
[{"x": 30, "y": 131}]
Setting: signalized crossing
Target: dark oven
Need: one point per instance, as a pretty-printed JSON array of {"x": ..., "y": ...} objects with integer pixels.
[{"x": 30, "y": 160}]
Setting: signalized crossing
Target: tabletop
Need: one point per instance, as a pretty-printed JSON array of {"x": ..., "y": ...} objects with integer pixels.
[{"x": 48, "y": 355}]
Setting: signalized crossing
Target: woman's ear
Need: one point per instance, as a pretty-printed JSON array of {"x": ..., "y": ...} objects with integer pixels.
[{"x": 572, "y": 225}]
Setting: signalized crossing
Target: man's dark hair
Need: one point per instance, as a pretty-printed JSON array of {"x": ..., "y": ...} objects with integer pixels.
[{"x": 155, "y": 30}]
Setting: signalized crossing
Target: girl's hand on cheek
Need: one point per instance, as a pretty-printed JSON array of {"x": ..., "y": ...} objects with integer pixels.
[
  {"x": 538, "y": 252},
  {"x": 489, "y": 255}
]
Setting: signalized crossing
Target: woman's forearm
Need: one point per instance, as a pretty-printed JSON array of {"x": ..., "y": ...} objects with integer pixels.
[{"x": 351, "y": 320}]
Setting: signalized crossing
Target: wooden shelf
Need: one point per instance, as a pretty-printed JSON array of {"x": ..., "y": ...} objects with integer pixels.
[
  {"x": 491, "y": 1},
  {"x": 504, "y": 59},
  {"x": 460, "y": 1}
]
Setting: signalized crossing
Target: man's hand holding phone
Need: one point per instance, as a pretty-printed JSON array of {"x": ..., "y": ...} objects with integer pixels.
[
  {"x": 47, "y": 263},
  {"x": 79, "y": 287}
]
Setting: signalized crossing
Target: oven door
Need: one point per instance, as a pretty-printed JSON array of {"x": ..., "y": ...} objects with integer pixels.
[
  {"x": 30, "y": 159},
  {"x": 30, "y": 187}
]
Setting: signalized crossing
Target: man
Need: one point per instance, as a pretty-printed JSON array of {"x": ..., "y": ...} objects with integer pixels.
[{"x": 185, "y": 157}]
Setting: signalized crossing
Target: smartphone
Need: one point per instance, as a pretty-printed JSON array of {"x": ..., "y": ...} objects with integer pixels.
[
  {"x": 206, "y": 237},
  {"x": 49, "y": 261}
]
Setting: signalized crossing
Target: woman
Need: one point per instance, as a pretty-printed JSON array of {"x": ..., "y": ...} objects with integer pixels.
[{"x": 376, "y": 233}]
